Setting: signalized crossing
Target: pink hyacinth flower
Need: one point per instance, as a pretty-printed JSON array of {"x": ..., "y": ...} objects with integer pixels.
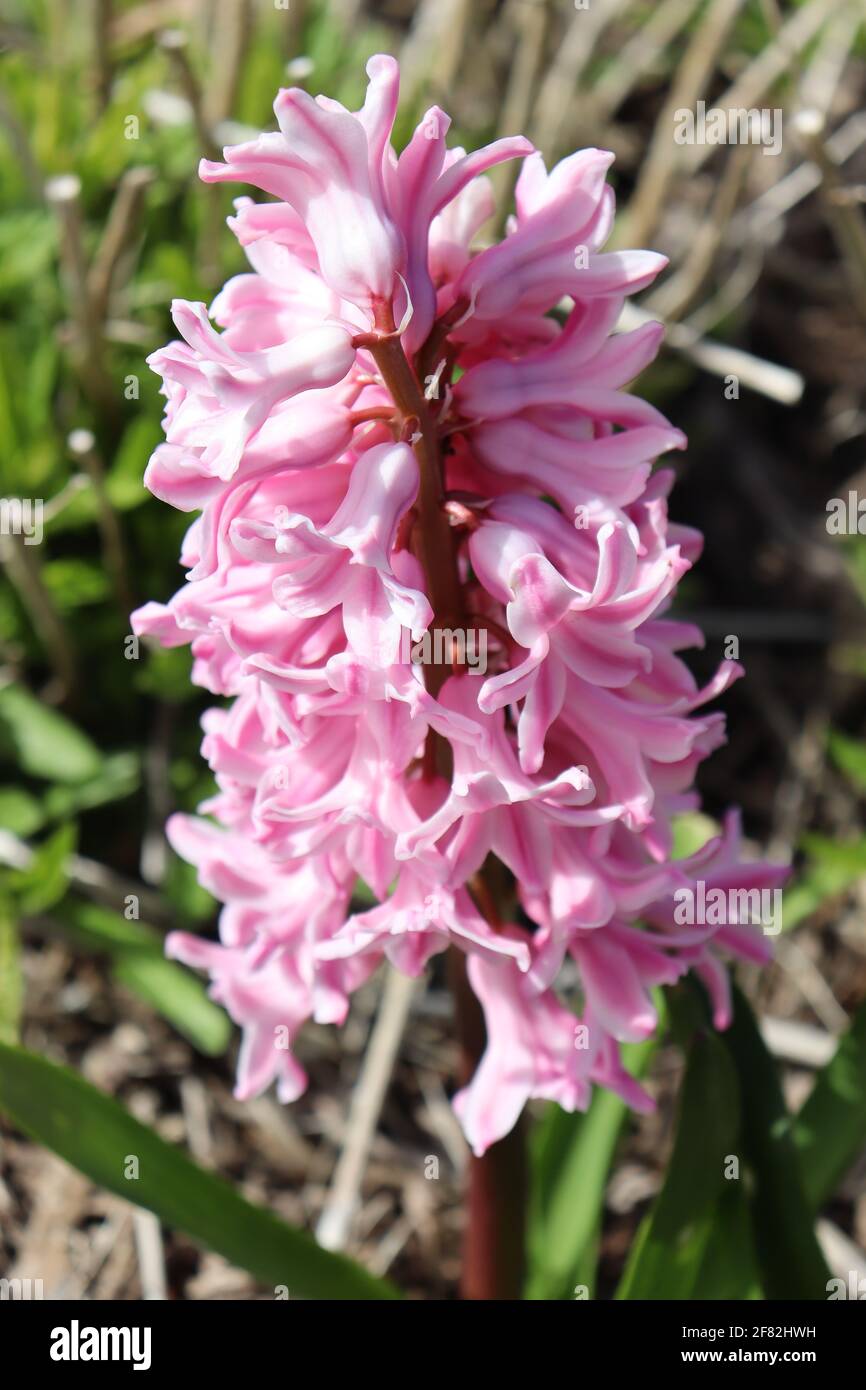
[{"x": 395, "y": 438}]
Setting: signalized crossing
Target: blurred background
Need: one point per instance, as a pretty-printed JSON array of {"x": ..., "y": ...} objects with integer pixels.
[{"x": 105, "y": 109}]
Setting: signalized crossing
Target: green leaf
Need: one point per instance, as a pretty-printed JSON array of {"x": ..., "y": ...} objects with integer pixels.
[
  {"x": 27, "y": 245},
  {"x": 847, "y": 856},
  {"x": 45, "y": 743},
  {"x": 97, "y": 928},
  {"x": 833, "y": 866},
  {"x": 118, "y": 777},
  {"x": 11, "y": 984},
  {"x": 97, "y": 1136},
  {"x": 570, "y": 1165},
  {"x": 20, "y": 812},
  {"x": 729, "y": 1269},
  {"x": 45, "y": 880},
  {"x": 184, "y": 892},
  {"x": 671, "y": 1245},
  {"x": 123, "y": 485},
  {"x": 178, "y": 996},
  {"x": 830, "y": 1129},
  {"x": 139, "y": 964},
  {"x": 790, "y": 1259}
]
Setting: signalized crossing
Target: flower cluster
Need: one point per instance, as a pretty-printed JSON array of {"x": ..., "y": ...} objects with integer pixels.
[{"x": 395, "y": 432}]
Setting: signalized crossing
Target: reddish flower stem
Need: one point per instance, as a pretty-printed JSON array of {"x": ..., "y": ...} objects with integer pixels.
[
  {"x": 494, "y": 1234},
  {"x": 496, "y": 1198},
  {"x": 432, "y": 537}
]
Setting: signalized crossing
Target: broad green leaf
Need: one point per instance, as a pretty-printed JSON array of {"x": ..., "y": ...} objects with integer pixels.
[
  {"x": 27, "y": 245},
  {"x": 118, "y": 777},
  {"x": 98, "y": 1137},
  {"x": 97, "y": 928},
  {"x": 671, "y": 1245},
  {"x": 570, "y": 1165},
  {"x": 178, "y": 995},
  {"x": 123, "y": 484},
  {"x": 41, "y": 386},
  {"x": 46, "y": 744},
  {"x": 844, "y": 855},
  {"x": 9, "y": 431},
  {"x": 832, "y": 867},
  {"x": 184, "y": 892},
  {"x": 11, "y": 984},
  {"x": 20, "y": 812},
  {"x": 136, "y": 950},
  {"x": 45, "y": 880},
  {"x": 830, "y": 1129},
  {"x": 815, "y": 885},
  {"x": 790, "y": 1260},
  {"x": 729, "y": 1266},
  {"x": 729, "y": 1269}
]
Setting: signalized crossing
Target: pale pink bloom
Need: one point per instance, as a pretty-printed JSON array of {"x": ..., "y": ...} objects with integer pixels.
[
  {"x": 719, "y": 865},
  {"x": 537, "y": 1048},
  {"x": 307, "y": 433},
  {"x": 347, "y": 563},
  {"x": 569, "y": 630},
  {"x": 563, "y": 452},
  {"x": 558, "y": 214},
  {"x": 328, "y": 165},
  {"x": 576, "y": 368},
  {"x": 308, "y": 580},
  {"x": 417, "y": 922},
  {"x": 366, "y": 213},
  {"x": 222, "y": 396},
  {"x": 438, "y": 202}
]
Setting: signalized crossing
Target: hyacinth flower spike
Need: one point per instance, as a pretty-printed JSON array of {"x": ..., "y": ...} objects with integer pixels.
[{"x": 390, "y": 434}]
